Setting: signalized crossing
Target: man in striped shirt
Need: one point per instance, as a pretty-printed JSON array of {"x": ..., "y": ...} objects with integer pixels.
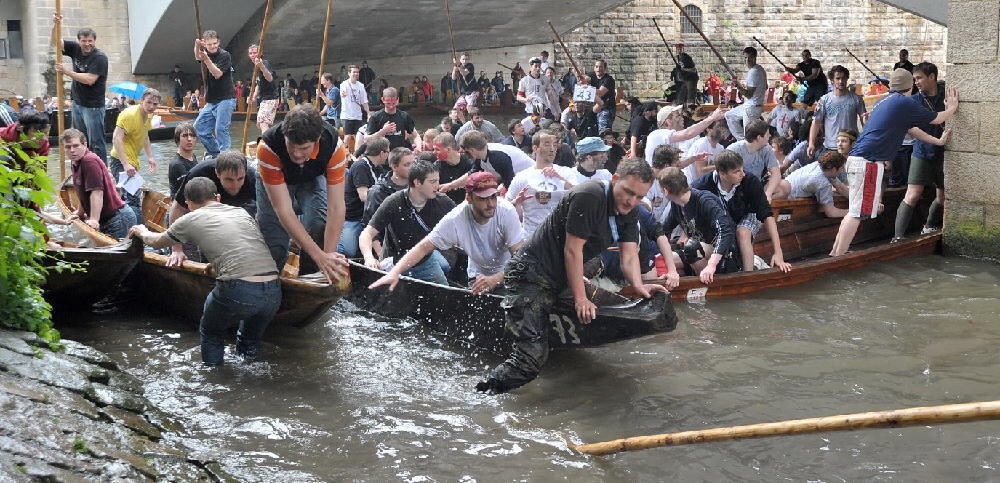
[{"x": 300, "y": 190}]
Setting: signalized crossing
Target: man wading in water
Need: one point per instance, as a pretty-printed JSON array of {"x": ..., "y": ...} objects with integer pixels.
[{"x": 549, "y": 267}]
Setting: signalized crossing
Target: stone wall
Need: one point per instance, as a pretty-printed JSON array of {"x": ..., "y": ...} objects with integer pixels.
[
  {"x": 627, "y": 39},
  {"x": 972, "y": 201}
]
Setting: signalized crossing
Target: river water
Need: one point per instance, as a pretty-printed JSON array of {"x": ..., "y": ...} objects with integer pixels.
[{"x": 361, "y": 397}]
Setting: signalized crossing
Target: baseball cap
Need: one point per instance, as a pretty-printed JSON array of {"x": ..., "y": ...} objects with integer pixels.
[
  {"x": 666, "y": 111},
  {"x": 482, "y": 184},
  {"x": 900, "y": 80},
  {"x": 678, "y": 45},
  {"x": 591, "y": 145},
  {"x": 535, "y": 60}
]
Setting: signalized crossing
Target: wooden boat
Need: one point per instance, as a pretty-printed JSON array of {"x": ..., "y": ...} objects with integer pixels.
[
  {"x": 182, "y": 290},
  {"x": 807, "y": 237},
  {"x": 188, "y": 115},
  {"x": 164, "y": 133},
  {"x": 103, "y": 269},
  {"x": 479, "y": 319}
]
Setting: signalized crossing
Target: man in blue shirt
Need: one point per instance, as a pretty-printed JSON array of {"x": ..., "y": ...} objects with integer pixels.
[
  {"x": 329, "y": 95},
  {"x": 891, "y": 119}
]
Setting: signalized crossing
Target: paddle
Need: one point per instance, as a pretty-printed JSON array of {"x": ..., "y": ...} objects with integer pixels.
[
  {"x": 782, "y": 64},
  {"x": 451, "y": 34},
  {"x": 60, "y": 93},
  {"x": 322, "y": 52},
  {"x": 897, "y": 418},
  {"x": 664, "y": 39},
  {"x": 256, "y": 69},
  {"x": 579, "y": 73},
  {"x": 862, "y": 63},
  {"x": 696, "y": 27},
  {"x": 204, "y": 78}
]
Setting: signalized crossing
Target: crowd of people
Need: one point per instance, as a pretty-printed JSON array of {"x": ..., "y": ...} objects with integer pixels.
[{"x": 515, "y": 212}]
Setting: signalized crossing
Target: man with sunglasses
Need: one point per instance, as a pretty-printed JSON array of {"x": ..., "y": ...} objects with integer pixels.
[{"x": 395, "y": 125}]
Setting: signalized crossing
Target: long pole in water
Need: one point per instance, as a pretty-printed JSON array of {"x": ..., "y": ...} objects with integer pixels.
[
  {"x": 667, "y": 45},
  {"x": 725, "y": 65},
  {"x": 60, "y": 92},
  {"x": 897, "y": 418},
  {"x": 579, "y": 73},
  {"x": 861, "y": 62},
  {"x": 782, "y": 64},
  {"x": 204, "y": 77},
  {"x": 256, "y": 69},
  {"x": 322, "y": 51}
]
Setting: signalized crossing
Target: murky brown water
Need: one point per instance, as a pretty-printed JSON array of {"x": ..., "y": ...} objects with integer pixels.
[{"x": 366, "y": 398}]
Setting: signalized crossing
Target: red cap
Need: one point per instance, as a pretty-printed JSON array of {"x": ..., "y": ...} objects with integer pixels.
[
  {"x": 482, "y": 184},
  {"x": 678, "y": 45}
]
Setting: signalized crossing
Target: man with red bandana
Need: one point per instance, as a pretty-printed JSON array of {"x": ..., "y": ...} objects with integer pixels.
[{"x": 395, "y": 125}]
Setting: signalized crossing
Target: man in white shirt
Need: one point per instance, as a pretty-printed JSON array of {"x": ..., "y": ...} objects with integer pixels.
[
  {"x": 353, "y": 104},
  {"x": 484, "y": 227},
  {"x": 532, "y": 87},
  {"x": 519, "y": 160},
  {"x": 670, "y": 119},
  {"x": 536, "y": 191},
  {"x": 591, "y": 154},
  {"x": 711, "y": 144},
  {"x": 753, "y": 92}
]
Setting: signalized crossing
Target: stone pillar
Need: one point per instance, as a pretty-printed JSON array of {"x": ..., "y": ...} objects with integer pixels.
[
  {"x": 972, "y": 205},
  {"x": 37, "y": 27}
]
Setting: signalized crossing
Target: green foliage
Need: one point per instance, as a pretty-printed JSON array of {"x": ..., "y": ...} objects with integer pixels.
[
  {"x": 23, "y": 181},
  {"x": 80, "y": 446}
]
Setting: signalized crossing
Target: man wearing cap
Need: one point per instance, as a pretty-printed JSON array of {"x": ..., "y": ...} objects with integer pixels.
[
  {"x": 532, "y": 87},
  {"x": 891, "y": 119},
  {"x": 483, "y": 226},
  {"x": 753, "y": 90},
  {"x": 548, "y": 268},
  {"x": 672, "y": 130},
  {"x": 688, "y": 75},
  {"x": 591, "y": 154},
  {"x": 407, "y": 217},
  {"x": 536, "y": 191}
]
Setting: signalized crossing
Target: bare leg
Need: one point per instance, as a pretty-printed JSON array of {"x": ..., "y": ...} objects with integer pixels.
[
  {"x": 783, "y": 191},
  {"x": 848, "y": 228},
  {"x": 744, "y": 238}
]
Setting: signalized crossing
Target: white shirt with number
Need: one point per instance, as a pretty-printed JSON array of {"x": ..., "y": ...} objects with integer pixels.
[
  {"x": 545, "y": 192},
  {"x": 533, "y": 89}
]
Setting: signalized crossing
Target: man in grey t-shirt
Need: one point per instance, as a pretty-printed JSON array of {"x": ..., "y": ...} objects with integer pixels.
[
  {"x": 758, "y": 157},
  {"x": 836, "y": 111},
  {"x": 753, "y": 92},
  {"x": 247, "y": 290}
]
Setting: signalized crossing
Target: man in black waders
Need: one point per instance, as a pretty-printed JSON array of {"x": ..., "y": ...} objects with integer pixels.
[{"x": 549, "y": 266}]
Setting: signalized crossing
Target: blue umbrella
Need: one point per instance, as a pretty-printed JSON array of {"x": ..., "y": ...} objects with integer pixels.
[{"x": 129, "y": 89}]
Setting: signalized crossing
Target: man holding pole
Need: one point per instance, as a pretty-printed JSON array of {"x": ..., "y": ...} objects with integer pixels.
[
  {"x": 753, "y": 90},
  {"x": 89, "y": 74},
  {"x": 688, "y": 76},
  {"x": 266, "y": 92},
  {"x": 213, "y": 120},
  {"x": 812, "y": 74},
  {"x": 605, "y": 85}
]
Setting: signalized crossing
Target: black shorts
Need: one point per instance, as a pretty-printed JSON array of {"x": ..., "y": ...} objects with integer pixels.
[
  {"x": 813, "y": 94},
  {"x": 351, "y": 126}
]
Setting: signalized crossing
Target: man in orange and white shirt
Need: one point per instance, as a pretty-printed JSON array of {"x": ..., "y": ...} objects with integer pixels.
[{"x": 300, "y": 190}]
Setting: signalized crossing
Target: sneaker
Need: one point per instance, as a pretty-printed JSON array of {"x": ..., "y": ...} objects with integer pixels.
[
  {"x": 895, "y": 239},
  {"x": 929, "y": 229}
]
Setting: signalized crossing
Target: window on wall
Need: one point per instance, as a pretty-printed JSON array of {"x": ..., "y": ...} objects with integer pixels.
[
  {"x": 14, "y": 49},
  {"x": 695, "y": 13}
]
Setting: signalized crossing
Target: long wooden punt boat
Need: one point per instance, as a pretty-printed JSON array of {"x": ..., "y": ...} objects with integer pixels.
[
  {"x": 479, "y": 319},
  {"x": 182, "y": 290},
  {"x": 806, "y": 238},
  {"x": 103, "y": 269}
]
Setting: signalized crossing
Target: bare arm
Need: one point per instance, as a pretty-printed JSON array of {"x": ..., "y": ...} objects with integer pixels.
[
  {"x": 629, "y": 254},
  {"x": 154, "y": 240},
  {"x": 663, "y": 244},
  {"x": 336, "y": 212},
  {"x": 96, "y": 206},
  {"x": 634, "y": 145},
  {"x": 573, "y": 257},
  {"x": 921, "y": 135},
  {"x": 412, "y": 258},
  {"x": 148, "y": 149},
  {"x": 362, "y": 193},
  {"x": 696, "y": 129},
  {"x": 177, "y": 255},
  {"x": 365, "y": 244},
  {"x": 118, "y": 140},
  {"x": 282, "y": 203},
  {"x": 772, "y": 183},
  {"x": 778, "y": 259}
]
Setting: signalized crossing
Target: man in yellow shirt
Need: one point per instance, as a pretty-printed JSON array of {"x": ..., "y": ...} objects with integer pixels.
[{"x": 132, "y": 135}]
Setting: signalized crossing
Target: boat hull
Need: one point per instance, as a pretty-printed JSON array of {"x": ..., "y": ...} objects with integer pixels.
[{"x": 103, "y": 269}]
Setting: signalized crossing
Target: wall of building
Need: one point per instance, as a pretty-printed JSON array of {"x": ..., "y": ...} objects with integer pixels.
[
  {"x": 972, "y": 200},
  {"x": 627, "y": 38},
  {"x": 12, "y": 71}
]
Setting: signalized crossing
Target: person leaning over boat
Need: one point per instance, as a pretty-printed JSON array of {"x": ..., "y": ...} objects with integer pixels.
[
  {"x": 131, "y": 136},
  {"x": 549, "y": 267},
  {"x": 484, "y": 227},
  {"x": 483, "y": 159},
  {"x": 300, "y": 190},
  {"x": 704, "y": 219},
  {"x": 816, "y": 180},
  {"x": 743, "y": 196},
  {"x": 247, "y": 289},
  {"x": 100, "y": 205},
  {"x": 406, "y": 217},
  {"x": 891, "y": 119},
  {"x": 235, "y": 182}
]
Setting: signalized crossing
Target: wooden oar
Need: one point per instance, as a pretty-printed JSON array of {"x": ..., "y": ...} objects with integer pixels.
[
  {"x": 506, "y": 67},
  {"x": 451, "y": 35},
  {"x": 204, "y": 76},
  {"x": 696, "y": 27},
  {"x": 256, "y": 70},
  {"x": 782, "y": 64},
  {"x": 950, "y": 413},
  {"x": 60, "y": 93},
  {"x": 861, "y": 62},
  {"x": 322, "y": 52},
  {"x": 579, "y": 73},
  {"x": 665, "y": 44}
]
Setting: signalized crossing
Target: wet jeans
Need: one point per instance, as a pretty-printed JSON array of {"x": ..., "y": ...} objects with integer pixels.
[
  {"x": 605, "y": 119},
  {"x": 212, "y": 126},
  {"x": 118, "y": 225},
  {"x": 348, "y": 244},
  {"x": 90, "y": 120},
  {"x": 252, "y": 305},
  {"x": 432, "y": 269},
  {"x": 135, "y": 201},
  {"x": 308, "y": 202}
]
